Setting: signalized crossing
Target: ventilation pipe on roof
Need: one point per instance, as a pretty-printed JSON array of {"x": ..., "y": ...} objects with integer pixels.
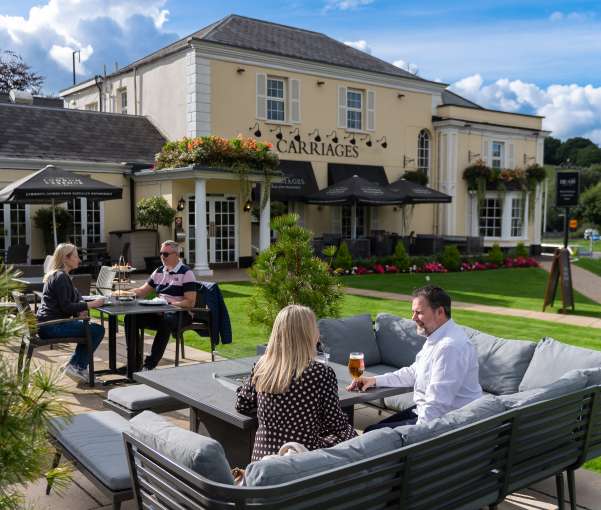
[
  {"x": 20, "y": 97},
  {"x": 98, "y": 79}
]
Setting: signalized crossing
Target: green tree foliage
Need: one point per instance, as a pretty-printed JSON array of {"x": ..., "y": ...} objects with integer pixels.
[
  {"x": 521, "y": 250},
  {"x": 495, "y": 255},
  {"x": 589, "y": 207},
  {"x": 343, "y": 259},
  {"x": 16, "y": 74},
  {"x": 154, "y": 211},
  {"x": 552, "y": 146},
  {"x": 28, "y": 399},
  {"x": 587, "y": 156},
  {"x": 289, "y": 273},
  {"x": 569, "y": 149},
  {"x": 590, "y": 176},
  {"x": 451, "y": 258},
  {"x": 401, "y": 259},
  {"x": 42, "y": 219}
]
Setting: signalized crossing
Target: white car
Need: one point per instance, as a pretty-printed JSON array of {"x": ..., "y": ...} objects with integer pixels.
[{"x": 591, "y": 233}]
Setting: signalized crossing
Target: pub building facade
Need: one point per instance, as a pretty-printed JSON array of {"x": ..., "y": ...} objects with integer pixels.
[{"x": 330, "y": 112}]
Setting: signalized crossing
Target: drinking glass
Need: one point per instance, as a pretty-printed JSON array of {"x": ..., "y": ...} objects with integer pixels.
[{"x": 356, "y": 365}]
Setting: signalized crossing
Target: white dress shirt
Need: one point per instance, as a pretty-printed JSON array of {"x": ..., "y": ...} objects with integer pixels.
[{"x": 444, "y": 375}]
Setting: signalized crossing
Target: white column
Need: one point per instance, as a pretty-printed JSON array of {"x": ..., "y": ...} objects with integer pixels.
[
  {"x": 201, "y": 265},
  {"x": 265, "y": 219}
]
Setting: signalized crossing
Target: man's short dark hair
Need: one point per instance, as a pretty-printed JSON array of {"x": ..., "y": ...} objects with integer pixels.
[{"x": 436, "y": 296}]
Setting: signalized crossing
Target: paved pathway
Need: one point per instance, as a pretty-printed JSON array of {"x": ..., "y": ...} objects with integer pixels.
[{"x": 585, "y": 282}]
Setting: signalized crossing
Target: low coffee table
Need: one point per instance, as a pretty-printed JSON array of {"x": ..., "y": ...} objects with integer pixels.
[{"x": 209, "y": 389}]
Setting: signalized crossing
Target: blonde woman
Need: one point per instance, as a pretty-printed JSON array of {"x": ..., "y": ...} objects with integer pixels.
[
  {"x": 61, "y": 300},
  {"x": 296, "y": 397}
]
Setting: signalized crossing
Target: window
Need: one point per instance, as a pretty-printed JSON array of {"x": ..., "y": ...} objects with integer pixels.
[
  {"x": 276, "y": 99},
  {"x": 92, "y": 106},
  {"x": 123, "y": 100},
  {"x": 423, "y": 151},
  {"x": 347, "y": 212},
  {"x": 498, "y": 155},
  {"x": 491, "y": 214},
  {"x": 517, "y": 217},
  {"x": 354, "y": 109}
]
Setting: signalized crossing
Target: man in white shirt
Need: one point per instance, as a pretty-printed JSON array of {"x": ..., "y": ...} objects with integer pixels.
[{"x": 444, "y": 375}]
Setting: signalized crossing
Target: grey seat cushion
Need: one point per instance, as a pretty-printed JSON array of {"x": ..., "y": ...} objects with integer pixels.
[
  {"x": 572, "y": 381},
  {"x": 277, "y": 470},
  {"x": 397, "y": 340},
  {"x": 95, "y": 439},
  {"x": 553, "y": 359},
  {"x": 199, "y": 453},
  {"x": 502, "y": 363},
  {"x": 141, "y": 396},
  {"x": 340, "y": 337},
  {"x": 480, "y": 409},
  {"x": 399, "y": 402}
]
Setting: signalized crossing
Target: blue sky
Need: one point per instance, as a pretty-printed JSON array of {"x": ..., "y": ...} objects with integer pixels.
[{"x": 530, "y": 56}]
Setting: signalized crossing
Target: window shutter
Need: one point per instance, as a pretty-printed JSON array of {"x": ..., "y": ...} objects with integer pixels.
[
  {"x": 373, "y": 218},
  {"x": 261, "y": 95},
  {"x": 485, "y": 152},
  {"x": 342, "y": 107},
  {"x": 295, "y": 115},
  {"x": 336, "y": 216},
  {"x": 371, "y": 110},
  {"x": 511, "y": 156}
]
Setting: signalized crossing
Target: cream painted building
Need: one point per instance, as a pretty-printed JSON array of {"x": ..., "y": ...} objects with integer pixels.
[{"x": 331, "y": 111}]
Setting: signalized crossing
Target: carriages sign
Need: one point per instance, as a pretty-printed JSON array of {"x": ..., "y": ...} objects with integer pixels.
[{"x": 568, "y": 189}]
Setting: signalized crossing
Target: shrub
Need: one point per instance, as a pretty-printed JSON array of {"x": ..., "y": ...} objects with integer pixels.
[
  {"x": 153, "y": 212},
  {"x": 521, "y": 250},
  {"x": 42, "y": 219},
  {"x": 288, "y": 273},
  {"x": 343, "y": 259},
  {"x": 451, "y": 258},
  {"x": 495, "y": 255},
  {"x": 401, "y": 258}
]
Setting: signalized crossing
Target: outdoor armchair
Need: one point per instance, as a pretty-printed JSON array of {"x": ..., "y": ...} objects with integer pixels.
[{"x": 201, "y": 322}]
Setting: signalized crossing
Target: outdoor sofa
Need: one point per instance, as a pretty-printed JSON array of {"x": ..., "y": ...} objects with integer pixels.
[{"x": 540, "y": 417}]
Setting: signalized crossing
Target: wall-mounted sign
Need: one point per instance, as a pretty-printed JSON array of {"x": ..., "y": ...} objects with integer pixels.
[
  {"x": 317, "y": 148},
  {"x": 568, "y": 189}
]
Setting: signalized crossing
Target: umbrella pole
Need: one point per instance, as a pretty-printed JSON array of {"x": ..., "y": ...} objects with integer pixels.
[
  {"x": 354, "y": 220},
  {"x": 54, "y": 224}
]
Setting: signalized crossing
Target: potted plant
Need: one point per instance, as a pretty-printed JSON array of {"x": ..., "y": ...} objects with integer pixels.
[
  {"x": 42, "y": 219},
  {"x": 151, "y": 213}
]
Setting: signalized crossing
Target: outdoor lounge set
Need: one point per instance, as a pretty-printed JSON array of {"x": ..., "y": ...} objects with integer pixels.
[{"x": 541, "y": 416}]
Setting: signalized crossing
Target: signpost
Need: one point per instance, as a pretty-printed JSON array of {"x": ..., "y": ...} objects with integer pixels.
[{"x": 568, "y": 190}]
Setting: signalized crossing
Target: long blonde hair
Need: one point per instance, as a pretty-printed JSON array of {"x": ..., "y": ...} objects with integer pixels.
[
  {"x": 58, "y": 258},
  {"x": 290, "y": 349}
]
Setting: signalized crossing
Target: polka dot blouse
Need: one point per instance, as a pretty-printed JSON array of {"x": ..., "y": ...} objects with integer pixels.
[{"x": 308, "y": 412}]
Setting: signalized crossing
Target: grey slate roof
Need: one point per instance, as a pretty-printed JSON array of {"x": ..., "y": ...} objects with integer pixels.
[
  {"x": 267, "y": 37},
  {"x": 53, "y": 102},
  {"x": 452, "y": 99},
  {"x": 62, "y": 134}
]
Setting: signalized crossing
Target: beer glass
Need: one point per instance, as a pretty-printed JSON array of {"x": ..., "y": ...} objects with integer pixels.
[{"x": 356, "y": 365}]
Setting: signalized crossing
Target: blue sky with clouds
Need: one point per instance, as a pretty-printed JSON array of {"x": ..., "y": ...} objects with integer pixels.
[{"x": 519, "y": 55}]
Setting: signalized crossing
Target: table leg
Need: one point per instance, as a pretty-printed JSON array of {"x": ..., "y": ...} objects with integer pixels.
[
  {"x": 132, "y": 343},
  {"x": 112, "y": 342}
]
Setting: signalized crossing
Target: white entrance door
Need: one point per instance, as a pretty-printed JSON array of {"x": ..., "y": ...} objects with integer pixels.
[
  {"x": 15, "y": 226},
  {"x": 87, "y": 221},
  {"x": 222, "y": 230}
]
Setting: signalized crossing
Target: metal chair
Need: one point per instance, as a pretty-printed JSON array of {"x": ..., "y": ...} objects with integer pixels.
[
  {"x": 201, "y": 322},
  {"x": 31, "y": 339},
  {"x": 104, "y": 284},
  {"x": 82, "y": 282}
]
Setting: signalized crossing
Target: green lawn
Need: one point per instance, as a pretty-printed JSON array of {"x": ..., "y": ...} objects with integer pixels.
[
  {"x": 592, "y": 265},
  {"x": 510, "y": 288}
]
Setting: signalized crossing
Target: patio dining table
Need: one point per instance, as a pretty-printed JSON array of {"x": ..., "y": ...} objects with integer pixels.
[
  {"x": 32, "y": 283},
  {"x": 209, "y": 389}
]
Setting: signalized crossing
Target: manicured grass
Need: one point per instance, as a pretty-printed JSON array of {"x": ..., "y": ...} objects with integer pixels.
[
  {"x": 592, "y": 265},
  {"x": 522, "y": 288}
]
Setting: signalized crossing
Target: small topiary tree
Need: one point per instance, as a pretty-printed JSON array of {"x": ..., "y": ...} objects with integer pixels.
[
  {"x": 401, "y": 258},
  {"x": 289, "y": 273},
  {"x": 153, "y": 212},
  {"x": 521, "y": 250},
  {"x": 343, "y": 259},
  {"x": 42, "y": 219},
  {"x": 495, "y": 255},
  {"x": 451, "y": 258}
]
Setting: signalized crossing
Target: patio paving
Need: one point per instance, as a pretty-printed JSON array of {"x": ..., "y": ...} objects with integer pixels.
[{"x": 83, "y": 495}]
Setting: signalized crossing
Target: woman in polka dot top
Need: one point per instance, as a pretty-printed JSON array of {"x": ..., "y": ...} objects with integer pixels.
[{"x": 295, "y": 397}]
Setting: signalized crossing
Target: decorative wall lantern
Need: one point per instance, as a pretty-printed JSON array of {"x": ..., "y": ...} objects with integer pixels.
[
  {"x": 278, "y": 133},
  {"x": 181, "y": 204},
  {"x": 382, "y": 141},
  {"x": 257, "y": 132},
  {"x": 333, "y": 135},
  {"x": 297, "y": 136},
  {"x": 315, "y": 134},
  {"x": 352, "y": 140}
]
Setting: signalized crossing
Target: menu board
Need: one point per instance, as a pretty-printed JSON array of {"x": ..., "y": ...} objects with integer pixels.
[
  {"x": 568, "y": 189},
  {"x": 560, "y": 274}
]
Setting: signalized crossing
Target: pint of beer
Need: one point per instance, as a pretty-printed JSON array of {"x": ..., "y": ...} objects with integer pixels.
[{"x": 356, "y": 365}]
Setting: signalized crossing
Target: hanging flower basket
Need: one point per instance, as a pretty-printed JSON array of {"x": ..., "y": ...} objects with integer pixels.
[{"x": 417, "y": 176}]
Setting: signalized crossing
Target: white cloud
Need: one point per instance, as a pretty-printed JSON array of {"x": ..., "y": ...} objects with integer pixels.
[
  {"x": 407, "y": 66},
  {"x": 359, "y": 45},
  {"x": 346, "y": 5},
  {"x": 569, "y": 110},
  {"x": 63, "y": 55},
  {"x": 556, "y": 16},
  {"x": 577, "y": 17}
]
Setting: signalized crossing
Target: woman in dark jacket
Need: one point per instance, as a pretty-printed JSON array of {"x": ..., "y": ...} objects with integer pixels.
[
  {"x": 296, "y": 397},
  {"x": 61, "y": 300}
]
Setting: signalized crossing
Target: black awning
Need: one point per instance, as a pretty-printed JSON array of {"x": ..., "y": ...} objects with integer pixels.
[
  {"x": 298, "y": 181},
  {"x": 340, "y": 171}
]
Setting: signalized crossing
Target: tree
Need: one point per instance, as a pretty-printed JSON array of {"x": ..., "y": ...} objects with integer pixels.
[
  {"x": 552, "y": 146},
  {"x": 289, "y": 273},
  {"x": 569, "y": 148},
  {"x": 16, "y": 74},
  {"x": 153, "y": 212},
  {"x": 42, "y": 219},
  {"x": 589, "y": 207},
  {"x": 28, "y": 399},
  {"x": 588, "y": 156}
]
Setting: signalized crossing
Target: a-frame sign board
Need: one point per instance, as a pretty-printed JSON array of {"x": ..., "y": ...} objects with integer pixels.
[{"x": 561, "y": 274}]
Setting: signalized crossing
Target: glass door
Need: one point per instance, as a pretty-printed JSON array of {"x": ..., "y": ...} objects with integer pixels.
[
  {"x": 18, "y": 227},
  {"x": 75, "y": 207},
  {"x": 87, "y": 221}
]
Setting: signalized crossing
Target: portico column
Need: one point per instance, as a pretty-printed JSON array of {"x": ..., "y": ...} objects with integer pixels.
[
  {"x": 265, "y": 218},
  {"x": 201, "y": 264}
]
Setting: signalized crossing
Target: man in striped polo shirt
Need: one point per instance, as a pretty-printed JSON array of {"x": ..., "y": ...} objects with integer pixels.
[{"x": 176, "y": 284}]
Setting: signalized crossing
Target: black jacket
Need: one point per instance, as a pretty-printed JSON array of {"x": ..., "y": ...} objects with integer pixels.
[{"x": 60, "y": 299}]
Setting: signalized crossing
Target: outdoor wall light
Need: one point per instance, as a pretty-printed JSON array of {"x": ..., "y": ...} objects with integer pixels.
[
  {"x": 257, "y": 132},
  {"x": 382, "y": 141},
  {"x": 240, "y": 70},
  {"x": 368, "y": 142},
  {"x": 400, "y": 96},
  {"x": 278, "y": 133},
  {"x": 297, "y": 136},
  {"x": 472, "y": 155},
  {"x": 320, "y": 83},
  {"x": 248, "y": 205},
  {"x": 315, "y": 134},
  {"x": 333, "y": 135},
  {"x": 528, "y": 158},
  {"x": 407, "y": 160},
  {"x": 181, "y": 204},
  {"x": 352, "y": 140}
]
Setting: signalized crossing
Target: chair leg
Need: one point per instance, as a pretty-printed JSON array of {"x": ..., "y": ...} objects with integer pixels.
[
  {"x": 572, "y": 489},
  {"x": 181, "y": 345},
  {"x": 178, "y": 336},
  {"x": 560, "y": 491},
  {"x": 55, "y": 462}
]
